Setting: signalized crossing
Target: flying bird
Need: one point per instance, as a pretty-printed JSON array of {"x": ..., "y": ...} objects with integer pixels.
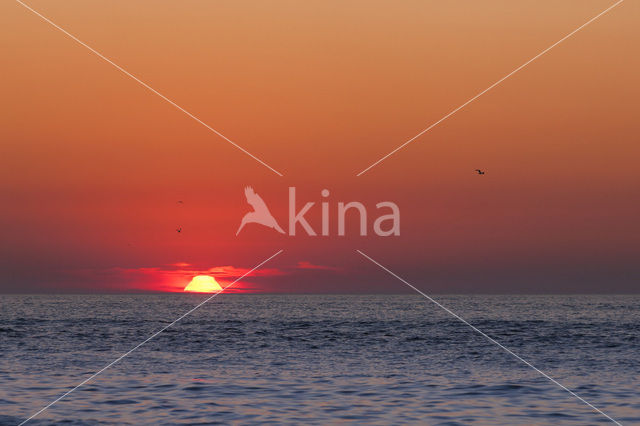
[
  {"x": 179, "y": 230},
  {"x": 480, "y": 172},
  {"x": 260, "y": 213}
]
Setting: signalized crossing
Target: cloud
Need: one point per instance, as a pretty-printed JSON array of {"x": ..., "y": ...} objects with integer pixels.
[
  {"x": 175, "y": 276},
  {"x": 181, "y": 268},
  {"x": 234, "y": 272},
  {"x": 169, "y": 277},
  {"x": 308, "y": 265}
]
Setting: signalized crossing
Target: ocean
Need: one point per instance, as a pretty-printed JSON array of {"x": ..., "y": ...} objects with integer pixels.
[{"x": 320, "y": 359}]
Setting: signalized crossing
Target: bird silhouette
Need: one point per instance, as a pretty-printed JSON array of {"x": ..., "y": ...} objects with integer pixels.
[
  {"x": 260, "y": 213},
  {"x": 179, "y": 230},
  {"x": 480, "y": 172}
]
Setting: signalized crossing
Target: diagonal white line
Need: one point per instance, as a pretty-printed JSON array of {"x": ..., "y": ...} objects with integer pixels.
[
  {"x": 127, "y": 73},
  {"x": 474, "y": 328},
  {"x": 148, "y": 338},
  {"x": 490, "y": 87}
]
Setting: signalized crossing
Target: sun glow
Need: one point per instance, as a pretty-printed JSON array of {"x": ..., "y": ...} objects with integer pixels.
[{"x": 203, "y": 284}]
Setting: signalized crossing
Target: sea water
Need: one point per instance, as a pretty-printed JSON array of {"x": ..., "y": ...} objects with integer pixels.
[{"x": 318, "y": 359}]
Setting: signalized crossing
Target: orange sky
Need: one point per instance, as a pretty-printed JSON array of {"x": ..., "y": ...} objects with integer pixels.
[{"x": 92, "y": 163}]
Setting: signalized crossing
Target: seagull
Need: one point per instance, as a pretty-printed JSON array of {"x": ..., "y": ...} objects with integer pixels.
[
  {"x": 179, "y": 230},
  {"x": 260, "y": 213},
  {"x": 480, "y": 172}
]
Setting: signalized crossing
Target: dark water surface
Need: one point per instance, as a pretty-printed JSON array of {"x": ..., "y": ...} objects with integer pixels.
[{"x": 249, "y": 359}]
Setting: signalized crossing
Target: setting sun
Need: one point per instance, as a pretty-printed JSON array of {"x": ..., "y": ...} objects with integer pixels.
[{"x": 203, "y": 284}]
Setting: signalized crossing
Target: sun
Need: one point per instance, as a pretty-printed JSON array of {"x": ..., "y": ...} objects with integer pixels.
[{"x": 203, "y": 284}]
